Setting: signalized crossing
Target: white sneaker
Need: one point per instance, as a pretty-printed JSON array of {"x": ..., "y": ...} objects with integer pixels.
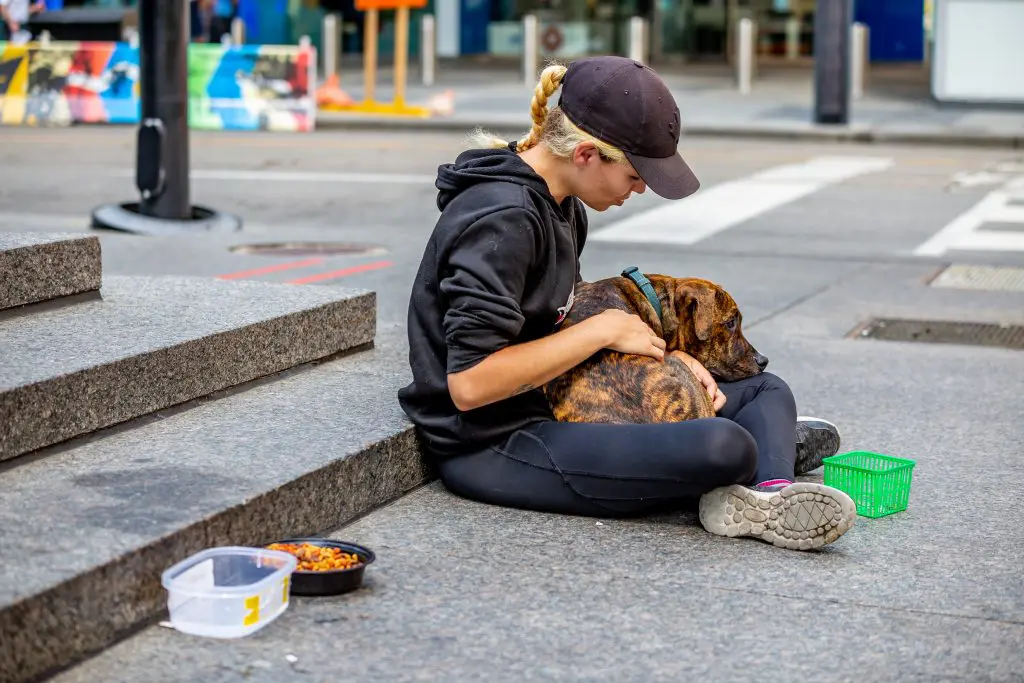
[{"x": 800, "y": 516}]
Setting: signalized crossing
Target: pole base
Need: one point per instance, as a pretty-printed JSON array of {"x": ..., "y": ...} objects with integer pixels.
[
  {"x": 831, "y": 120},
  {"x": 126, "y": 218}
]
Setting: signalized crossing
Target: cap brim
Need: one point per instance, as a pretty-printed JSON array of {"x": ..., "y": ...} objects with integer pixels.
[{"x": 668, "y": 177}]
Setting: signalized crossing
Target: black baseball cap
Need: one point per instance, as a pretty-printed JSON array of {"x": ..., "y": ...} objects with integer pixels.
[{"x": 626, "y": 104}]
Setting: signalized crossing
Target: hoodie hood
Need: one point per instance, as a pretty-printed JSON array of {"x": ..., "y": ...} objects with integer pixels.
[{"x": 477, "y": 166}]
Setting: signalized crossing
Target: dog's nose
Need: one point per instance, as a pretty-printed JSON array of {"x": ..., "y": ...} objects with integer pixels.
[{"x": 762, "y": 361}]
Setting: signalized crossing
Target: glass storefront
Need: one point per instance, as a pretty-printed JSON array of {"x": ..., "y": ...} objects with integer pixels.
[{"x": 680, "y": 30}]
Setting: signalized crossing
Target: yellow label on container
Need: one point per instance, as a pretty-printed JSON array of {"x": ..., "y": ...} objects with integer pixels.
[
  {"x": 253, "y": 615},
  {"x": 284, "y": 589}
]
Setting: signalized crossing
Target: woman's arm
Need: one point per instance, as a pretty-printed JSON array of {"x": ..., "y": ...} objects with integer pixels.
[
  {"x": 522, "y": 367},
  {"x": 485, "y": 276}
]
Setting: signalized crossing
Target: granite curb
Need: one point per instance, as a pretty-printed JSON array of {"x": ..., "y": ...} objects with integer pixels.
[
  {"x": 36, "y": 268},
  {"x": 152, "y": 343}
]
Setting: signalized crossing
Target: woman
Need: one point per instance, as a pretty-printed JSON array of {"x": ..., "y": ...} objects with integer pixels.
[{"x": 498, "y": 274}]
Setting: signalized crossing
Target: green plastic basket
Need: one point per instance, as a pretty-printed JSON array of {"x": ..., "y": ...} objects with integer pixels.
[{"x": 879, "y": 484}]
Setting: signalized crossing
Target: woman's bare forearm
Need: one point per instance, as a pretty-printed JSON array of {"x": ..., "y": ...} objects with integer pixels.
[{"x": 522, "y": 367}]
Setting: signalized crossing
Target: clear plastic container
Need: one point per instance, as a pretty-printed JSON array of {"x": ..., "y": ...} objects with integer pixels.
[{"x": 228, "y": 592}]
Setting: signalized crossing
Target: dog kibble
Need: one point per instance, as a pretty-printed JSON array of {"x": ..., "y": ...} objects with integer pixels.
[{"x": 314, "y": 558}]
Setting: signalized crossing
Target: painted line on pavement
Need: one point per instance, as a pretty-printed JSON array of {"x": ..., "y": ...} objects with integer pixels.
[
  {"x": 44, "y": 220},
  {"x": 964, "y": 233},
  {"x": 301, "y": 177},
  {"x": 376, "y": 265},
  {"x": 711, "y": 211},
  {"x": 276, "y": 268}
]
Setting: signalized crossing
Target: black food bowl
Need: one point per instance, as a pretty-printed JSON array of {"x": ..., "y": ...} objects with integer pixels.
[{"x": 335, "y": 581}]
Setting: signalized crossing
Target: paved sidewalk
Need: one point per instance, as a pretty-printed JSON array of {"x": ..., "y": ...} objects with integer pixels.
[{"x": 897, "y": 106}]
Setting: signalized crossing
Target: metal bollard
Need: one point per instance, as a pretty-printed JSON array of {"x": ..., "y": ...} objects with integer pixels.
[
  {"x": 238, "y": 31},
  {"x": 428, "y": 49},
  {"x": 792, "y": 38},
  {"x": 745, "y": 55},
  {"x": 638, "y": 34},
  {"x": 531, "y": 45},
  {"x": 332, "y": 44},
  {"x": 859, "y": 59}
]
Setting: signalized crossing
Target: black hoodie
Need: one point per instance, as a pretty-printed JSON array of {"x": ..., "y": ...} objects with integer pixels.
[{"x": 500, "y": 268}]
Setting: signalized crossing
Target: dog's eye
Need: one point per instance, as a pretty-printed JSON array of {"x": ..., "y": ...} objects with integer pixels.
[{"x": 730, "y": 324}]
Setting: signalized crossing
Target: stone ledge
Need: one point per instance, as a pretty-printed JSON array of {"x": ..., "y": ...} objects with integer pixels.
[
  {"x": 301, "y": 455},
  {"x": 38, "y": 267},
  {"x": 152, "y": 343}
]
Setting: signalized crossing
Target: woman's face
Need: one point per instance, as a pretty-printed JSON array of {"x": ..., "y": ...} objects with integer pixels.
[{"x": 600, "y": 183}]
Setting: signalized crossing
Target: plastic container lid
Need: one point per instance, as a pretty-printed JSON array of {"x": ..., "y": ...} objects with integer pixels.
[{"x": 228, "y": 592}]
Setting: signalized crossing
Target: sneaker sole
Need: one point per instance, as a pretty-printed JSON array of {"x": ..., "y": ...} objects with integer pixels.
[{"x": 801, "y": 516}]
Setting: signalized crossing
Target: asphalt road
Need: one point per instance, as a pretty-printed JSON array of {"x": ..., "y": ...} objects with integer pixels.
[{"x": 375, "y": 190}]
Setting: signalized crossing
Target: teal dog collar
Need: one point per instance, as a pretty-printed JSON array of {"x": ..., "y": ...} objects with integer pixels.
[{"x": 641, "y": 281}]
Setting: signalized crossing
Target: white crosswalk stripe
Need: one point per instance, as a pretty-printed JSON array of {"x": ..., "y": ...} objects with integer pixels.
[
  {"x": 965, "y": 232},
  {"x": 245, "y": 175},
  {"x": 720, "y": 207}
]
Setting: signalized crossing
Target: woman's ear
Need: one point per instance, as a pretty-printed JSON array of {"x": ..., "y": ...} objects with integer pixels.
[{"x": 585, "y": 153}]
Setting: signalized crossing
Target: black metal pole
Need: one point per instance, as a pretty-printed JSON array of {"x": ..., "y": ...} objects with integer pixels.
[
  {"x": 162, "y": 163},
  {"x": 163, "y": 149},
  {"x": 833, "y": 21}
]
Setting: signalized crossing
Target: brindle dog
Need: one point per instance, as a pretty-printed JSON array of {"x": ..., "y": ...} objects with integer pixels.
[{"x": 698, "y": 317}]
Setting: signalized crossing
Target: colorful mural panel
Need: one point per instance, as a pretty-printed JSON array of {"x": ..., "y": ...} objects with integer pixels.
[{"x": 248, "y": 87}]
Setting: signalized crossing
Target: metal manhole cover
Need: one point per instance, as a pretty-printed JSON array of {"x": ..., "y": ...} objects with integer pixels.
[
  {"x": 992, "y": 278},
  {"x": 945, "y": 332},
  {"x": 309, "y": 249}
]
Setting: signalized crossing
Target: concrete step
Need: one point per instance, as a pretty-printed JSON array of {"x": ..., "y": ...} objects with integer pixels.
[
  {"x": 151, "y": 343},
  {"x": 37, "y": 267},
  {"x": 87, "y": 532}
]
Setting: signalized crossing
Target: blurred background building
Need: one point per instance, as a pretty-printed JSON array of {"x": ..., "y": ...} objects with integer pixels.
[{"x": 969, "y": 49}]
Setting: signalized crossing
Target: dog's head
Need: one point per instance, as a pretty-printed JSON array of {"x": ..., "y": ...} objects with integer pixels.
[{"x": 703, "y": 320}]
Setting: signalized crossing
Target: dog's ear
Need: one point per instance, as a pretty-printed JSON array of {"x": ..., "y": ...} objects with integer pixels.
[{"x": 697, "y": 299}]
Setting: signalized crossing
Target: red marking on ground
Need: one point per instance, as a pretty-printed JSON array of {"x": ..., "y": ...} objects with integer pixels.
[
  {"x": 376, "y": 265},
  {"x": 272, "y": 269}
]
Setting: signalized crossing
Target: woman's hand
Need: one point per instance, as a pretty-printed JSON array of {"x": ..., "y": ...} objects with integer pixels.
[
  {"x": 629, "y": 334},
  {"x": 704, "y": 377}
]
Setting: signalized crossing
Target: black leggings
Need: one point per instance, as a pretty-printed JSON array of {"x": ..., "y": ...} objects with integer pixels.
[{"x": 617, "y": 469}]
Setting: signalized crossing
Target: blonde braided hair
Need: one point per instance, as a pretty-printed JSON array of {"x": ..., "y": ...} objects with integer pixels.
[{"x": 550, "y": 127}]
